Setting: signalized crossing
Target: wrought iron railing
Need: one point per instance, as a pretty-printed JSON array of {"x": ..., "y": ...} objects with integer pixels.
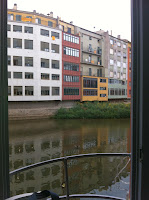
[{"x": 64, "y": 160}]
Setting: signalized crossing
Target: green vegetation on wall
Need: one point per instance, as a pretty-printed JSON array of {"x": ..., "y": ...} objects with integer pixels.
[{"x": 95, "y": 110}]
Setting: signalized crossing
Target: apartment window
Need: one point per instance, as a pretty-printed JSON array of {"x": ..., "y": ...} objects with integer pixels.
[
  {"x": 17, "y": 43},
  {"x": 17, "y": 28},
  {"x": 130, "y": 92},
  {"x": 120, "y": 92},
  {"x": 18, "y": 17},
  {"x": 99, "y": 72},
  {"x": 90, "y": 82},
  {"x": 103, "y": 95},
  {"x": 55, "y": 91},
  {"x": 111, "y": 62},
  {"x": 90, "y": 38},
  {"x": 68, "y": 78},
  {"x": 118, "y": 64},
  {"x": 9, "y": 74},
  {"x": 28, "y": 75},
  {"x": 44, "y": 32},
  {"x": 9, "y": 42},
  {"x": 69, "y": 30},
  {"x": 130, "y": 55},
  {"x": 71, "y": 66},
  {"x": 44, "y": 46},
  {"x": 102, "y": 80},
  {"x": 50, "y": 23},
  {"x": 55, "y": 77},
  {"x": 111, "y": 51},
  {"x": 112, "y": 91},
  {"x": 9, "y": 60},
  {"x": 44, "y": 63},
  {"x": 8, "y": 27},
  {"x": 29, "y": 61},
  {"x": 29, "y": 91},
  {"x": 119, "y": 54},
  {"x": 10, "y": 17},
  {"x": 54, "y": 48},
  {"x": 87, "y": 92},
  {"x": 55, "y": 64},
  {"x": 9, "y": 90},
  {"x": 45, "y": 76},
  {"x": 124, "y": 55},
  {"x": 116, "y": 91},
  {"x": 130, "y": 65},
  {"x": 28, "y": 29},
  {"x": 90, "y": 71},
  {"x": 99, "y": 50},
  {"x": 17, "y": 75},
  {"x": 124, "y": 46},
  {"x": 118, "y": 44},
  {"x": 28, "y": 44},
  {"x": 102, "y": 88},
  {"x": 45, "y": 91},
  {"x": 130, "y": 83},
  {"x": 38, "y": 20},
  {"x": 71, "y": 38},
  {"x": 129, "y": 74},
  {"x": 71, "y": 52},
  {"x": 17, "y": 60},
  {"x": 111, "y": 42},
  {"x": 55, "y": 34},
  {"x": 123, "y": 91},
  {"x": 71, "y": 91},
  {"x": 17, "y": 90}
]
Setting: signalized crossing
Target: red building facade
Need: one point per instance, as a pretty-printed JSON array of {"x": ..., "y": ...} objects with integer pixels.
[{"x": 71, "y": 79}]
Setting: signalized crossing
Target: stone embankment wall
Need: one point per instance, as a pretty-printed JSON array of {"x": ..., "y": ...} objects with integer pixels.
[{"x": 36, "y": 110}]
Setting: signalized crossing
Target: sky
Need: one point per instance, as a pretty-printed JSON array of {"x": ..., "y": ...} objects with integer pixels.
[{"x": 89, "y": 14}]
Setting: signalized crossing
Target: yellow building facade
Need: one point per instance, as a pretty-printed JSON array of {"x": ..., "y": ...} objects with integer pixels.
[{"x": 94, "y": 88}]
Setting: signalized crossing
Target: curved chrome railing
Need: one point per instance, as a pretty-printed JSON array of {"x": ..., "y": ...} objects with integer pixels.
[{"x": 65, "y": 159}]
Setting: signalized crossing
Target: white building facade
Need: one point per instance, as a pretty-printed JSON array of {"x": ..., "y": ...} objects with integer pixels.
[{"x": 34, "y": 62}]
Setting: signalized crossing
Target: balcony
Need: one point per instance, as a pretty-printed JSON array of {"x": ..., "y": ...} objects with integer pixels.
[
  {"x": 90, "y": 50},
  {"x": 91, "y": 62}
]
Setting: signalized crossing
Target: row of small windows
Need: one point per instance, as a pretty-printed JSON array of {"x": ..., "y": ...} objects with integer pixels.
[
  {"x": 118, "y": 63},
  {"x": 92, "y": 82},
  {"x": 118, "y": 43},
  {"x": 117, "y": 91},
  {"x": 68, "y": 78},
  {"x": 115, "y": 81},
  {"x": 28, "y": 62},
  {"x": 92, "y": 92},
  {"x": 28, "y": 29},
  {"x": 71, "y": 66},
  {"x": 71, "y": 52},
  {"x": 70, "y": 38},
  {"x": 27, "y": 19},
  {"x": 30, "y": 75},
  {"x": 28, "y": 44},
  {"x": 29, "y": 91},
  {"x": 71, "y": 91}
]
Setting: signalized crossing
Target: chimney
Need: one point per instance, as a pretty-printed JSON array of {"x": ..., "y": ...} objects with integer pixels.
[
  {"x": 15, "y": 6},
  {"x": 51, "y": 14},
  {"x": 119, "y": 37},
  {"x": 71, "y": 22}
]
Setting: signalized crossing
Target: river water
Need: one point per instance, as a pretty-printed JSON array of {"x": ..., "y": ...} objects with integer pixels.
[{"x": 39, "y": 140}]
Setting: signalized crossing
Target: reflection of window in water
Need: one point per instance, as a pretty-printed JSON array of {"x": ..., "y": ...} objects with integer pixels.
[
  {"x": 45, "y": 171},
  {"x": 30, "y": 161},
  {"x": 18, "y": 164},
  {"x": 56, "y": 184},
  {"x": 55, "y": 170},
  {"x": 29, "y": 147},
  {"x": 56, "y": 155},
  {"x": 55, "y": 143},
  {"x": 19, "y": 178},
  {"x": 18, "y": 148},
  {"x": 45, "y": 145},
  {"x": 30, "y": 175},
  {"x": 44, "y": 158},
  {"x": 45, "y": 186}
]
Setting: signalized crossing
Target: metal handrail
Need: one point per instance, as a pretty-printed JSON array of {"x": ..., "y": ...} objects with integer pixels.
[{"x": 65, "y": 159}]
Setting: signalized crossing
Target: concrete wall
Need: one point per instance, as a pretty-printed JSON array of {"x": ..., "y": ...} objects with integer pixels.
[{"x": 36, "y": 110}]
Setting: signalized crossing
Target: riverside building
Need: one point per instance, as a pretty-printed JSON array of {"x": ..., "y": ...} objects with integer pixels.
[
  {"x": 34, "y": 57},
  {"x": 116, "y": 59},
  {"x": 94, "y": 84},
  {"x": 129, "y": 72}
]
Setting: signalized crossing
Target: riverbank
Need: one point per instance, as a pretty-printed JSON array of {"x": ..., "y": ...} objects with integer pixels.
[{"x": 94, "y": 110}]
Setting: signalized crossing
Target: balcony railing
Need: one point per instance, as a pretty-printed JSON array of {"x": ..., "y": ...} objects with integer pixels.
[{"x": 64, "y": 160}]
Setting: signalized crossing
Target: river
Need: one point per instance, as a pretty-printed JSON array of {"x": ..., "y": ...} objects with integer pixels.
[{"x": 38, "y": 140}]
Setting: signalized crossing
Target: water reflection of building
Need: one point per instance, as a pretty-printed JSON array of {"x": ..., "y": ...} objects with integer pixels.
[
  {"x": 26, "y": 150},
  {"x": 46, "y": 140}
]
